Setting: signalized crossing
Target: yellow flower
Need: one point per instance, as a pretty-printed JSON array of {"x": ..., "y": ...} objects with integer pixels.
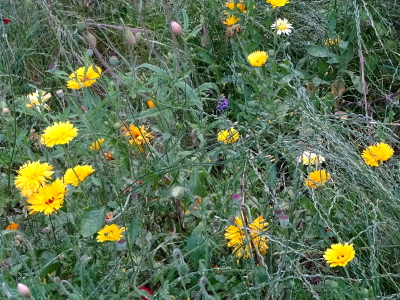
[
  {"x": 32, "y": 176},
  {"x": 282, "y": 26},
  {"x": 78, "y": 174},
  {"x": 376, "y": 153},
  {"x": 110, "y": 233},
  {"x": 310, "y": 158},
  {"x": 150, "y": 103},
  {"x": 37, "y": 98},
  {"x": 332, "y": 42},
  {"x": 48, "y": 198},
  {"x": 235, "y": 234},
  {"x": 83, "y": 77},
  {"x": 95, "y": 146},
  {"x": 317, "y": 178},
  {"x": 228, "y": 136},
  {"x": 257, "y": 58},
  {"x": 232, "y": 20},
  {"x": 231, "y": 6},
  {"x": 276, "y": 3},
  {"x": 138, "y": 135},
  {"x": 12, "y": 226},
  {"x": 340, "y": 254},
  {"x": 58, "y": 134}
]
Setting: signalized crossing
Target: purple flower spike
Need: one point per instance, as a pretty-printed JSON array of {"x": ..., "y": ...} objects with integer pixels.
[{"x": 222, "y": 103}]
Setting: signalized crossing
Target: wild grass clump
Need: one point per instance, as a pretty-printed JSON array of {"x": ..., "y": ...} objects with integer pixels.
[{"x": 199, "y": 150}]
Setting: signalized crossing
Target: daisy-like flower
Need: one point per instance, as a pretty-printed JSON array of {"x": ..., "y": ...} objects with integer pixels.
[
  {"x": 137, "y": 135},
  {"x": 317, "y": 178},
  {"x": 48, "y": 198},
  {"x": 257, "y": 58},
  {"x": 339, "y": 254},
  {"x": 376, "y": 153},
  {"x": 276, "y": 3},
  {"x": 228, "y": 136},
  {"x": 95, "y": 146},
  {"x": 37, "y": 98},
  {"x": 31, "y": 176},
  {"x": 83, "y": 77},
  {"x": 12, "y": 226},
  {"x": 78, "y": 174},
  {"x": 232, "y": 20},
  {"x": 235, "y": 234},
  {"x": 231, "y": 6},
  {"x": 58, "y": 134},
  {"x": 110, "y": 233},
  {"x": 310, "y": 158},
  {"x": 282, "y": 26}
]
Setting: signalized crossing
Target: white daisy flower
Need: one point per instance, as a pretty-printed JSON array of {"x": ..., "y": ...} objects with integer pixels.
[{"x": 282, "y": 26}]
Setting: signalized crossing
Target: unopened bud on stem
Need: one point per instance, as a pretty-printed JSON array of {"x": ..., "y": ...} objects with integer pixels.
[
  {"x": 176, "y": 28},
  {"x": 24, "y": 291}
]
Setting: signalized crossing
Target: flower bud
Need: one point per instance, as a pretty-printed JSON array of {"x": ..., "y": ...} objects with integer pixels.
[
  {"x": 24, "y": 291},
  {"x": 284, "y": 220},
  {"x": 6, "y": 111},
  {"x": 56, "y": 279},
  {"x": 178, "y": 192},
  {"x": 90, "y": 38},
  {"x": 89, "y": 52},
  {"x": 60, "y": 93},
  {"x": 113, "y": 60},
  {"x": 81, "y": 25},
  {"x": 130, "y": 37},
  {"x": 62, "y": 257},
  {"x": 176, "y": 28}
]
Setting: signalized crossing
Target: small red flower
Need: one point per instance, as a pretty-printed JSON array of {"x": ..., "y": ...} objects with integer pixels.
[
  {"x": 147, "y": 290},
  {"x": 6, "y": 21}
]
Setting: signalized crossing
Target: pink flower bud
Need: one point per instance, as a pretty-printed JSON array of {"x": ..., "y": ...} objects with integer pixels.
[
  {"x": 24, "y": 291},
  {"x": 176, "y": 28}
]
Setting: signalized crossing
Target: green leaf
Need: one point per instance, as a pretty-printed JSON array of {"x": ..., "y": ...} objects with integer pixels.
[
  {"x": 185, "y": 20},
  {"x": 318, "y": 51},
  {"x": 57, "y": 153},
  {"x": 92, "y": 220},
  {"x": 134, "y": 229}
]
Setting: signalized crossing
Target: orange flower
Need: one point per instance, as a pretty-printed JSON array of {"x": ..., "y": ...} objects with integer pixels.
[
  {"x": 12, "y": 226},
  {"x": 150, "y": 103}
]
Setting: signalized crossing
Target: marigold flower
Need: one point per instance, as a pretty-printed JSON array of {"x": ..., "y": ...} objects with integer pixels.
[
  {"x": 110, "y": 233},
  {"x": 32, "y": 176},
  {"x": 48, "y": 198},
  {"x": 138, "y": 135},
  {"x": 58, "y": 134},
  {"x": 236, "y": 236},
  {"x": 317, "y": 178},
  {"x": 310, "y": 158},
  {"x": 257, "y": 58},
  {"x": 282, "y": 26},
  {"x": 83, "y": 77},
  {"x": 12, "y": 226},
  {"x": 95, "y": 146},
  {"x": 376, "y": 153},
  {"x": 228, "y": 136},
  {"x": 276, "y": 3},
  {"x": 150, "y": 103},
  {"x": 339, "y": 254},
  {"x": 37, "y": 98},
  {"x": 232, "y": 20},
  {"x": 78, "y": 174},
  {"x": 231, "y": 6}
]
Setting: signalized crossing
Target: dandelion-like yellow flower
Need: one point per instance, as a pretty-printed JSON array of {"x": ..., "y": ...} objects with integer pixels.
[
  {"x": 78, "y": 174},
  {"x": 48, "y": 198},
  {"x": 31, "y": 176},
  {"x": 37, "y": 98},
  {"x": 95, "y": 146},
  {"x": 276, "y": 3},
  {"x": 257, "y": 58},
  {"x": 232, "y": 20},
  {"x": 317, "y": 178},
  {"x": 58, "y": 134},
  {"x": 137, "y": 135},
  {"x": 310, "y": 158},
  {"x": 228, "y": 136},
  {"x": 110, "y": 233},
  {"x": 282, "y": 26},
  {"x": 83, "y": 77},
  {"x": 235, "y": 234},
  {"x": 339, "y": 254},
  {"x": 376, "y": 153},
  {"x": 231, "y": 6},
  {"x": 12, "y": 226}
]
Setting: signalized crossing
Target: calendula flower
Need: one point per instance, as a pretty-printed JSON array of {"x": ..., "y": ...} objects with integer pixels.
[
  {"x": 95, "y": 146},
  {"x": 228, "y": 136},
  {"x": 231, "y": 6},
  {"x": 78, "y": 174},
  {"x": 31, "y": 176},
  {"x": 12, "y": 226},
  {"x": 108, "y": 155},
  {"x": 48, "y": 198},
  {"x": 232, "y": 20},
  {"x": 58, "y": 134},
  {"x": 339, "y": 254},
  {"x": 276, "y": 3},
  {"x": 37, "y": 98},
  {"x": 310, "y": 158},
  {"x": 282, "y": 26},
  {"x": 236, "y": 236},
  {"x": 376, "y": 153},
  {"x": 110, "y": 233},
  {"x": 83, "y": 77},
  {"x": 137, "y": 135},
  {"x": 317, "y": 178},
  {"x": 257, "y": 58},
  {"x": 150, "y": 103}
]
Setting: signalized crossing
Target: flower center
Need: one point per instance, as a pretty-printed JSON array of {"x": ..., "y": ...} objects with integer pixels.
[
  {"x": 50, "y": 201},
  {"x": 282, "y": 27}
]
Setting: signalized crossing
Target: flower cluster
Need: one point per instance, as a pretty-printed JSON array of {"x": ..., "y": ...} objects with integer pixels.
[
  {"x": 228, "y": 136},
  {"x": 38, "y": 98},
  {"x": 222, "y": 103},
  {"x": 137, "y": 135}
]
